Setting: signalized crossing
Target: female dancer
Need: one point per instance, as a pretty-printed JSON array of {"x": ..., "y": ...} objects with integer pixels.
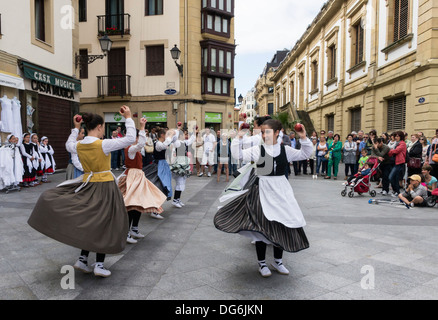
[
  {"x": 140, "y": 195},
  {"x": 268, "y": 212},
  {"x": 38, "y": 163},
  {"x": 181, "y": 165},
  {"x": 165, "y": 139},
  {"x": 27, "y": 155},
  {"x": 89, "y": 214},
  {"x": 47, "y": 152}
]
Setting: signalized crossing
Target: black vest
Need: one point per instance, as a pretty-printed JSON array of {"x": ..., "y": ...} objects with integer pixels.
[
  {"x": 280, "y": 164},
  {"x": 159, "y": 155}
]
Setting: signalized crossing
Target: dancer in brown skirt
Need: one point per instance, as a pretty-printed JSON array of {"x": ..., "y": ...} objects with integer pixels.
[
  {"x": 267, "y": 211},
  {"x": 139, "y": 194},
  {"x": 88, "y": 212}
]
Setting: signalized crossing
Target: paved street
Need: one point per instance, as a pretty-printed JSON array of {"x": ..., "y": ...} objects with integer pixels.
[{"x": 357, "y": 251}]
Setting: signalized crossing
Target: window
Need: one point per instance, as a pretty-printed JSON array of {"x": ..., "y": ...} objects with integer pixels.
[
  {"x": 155, "y": 60},
  {"x": 356, "y": 119},
  {"x": 82, "y": 10},
  {"x": 314, "y": 75},
  {"x": 357, "y": 44},
  {"x": 331, "y": 122},
  {"x": 401, "y": 19},
  {"x": 216, "y": 15},
  {"x": 217, "y": 58},
  {"x": 153, "y": 7},
  {"x": 331, "y": 71},
  {"x": 396, "y": 113},
  {"x": 292, "y": 92},
  {"x": 83, "y": 67},
  {"x": 215, "y": 85},
  {"x": 40, "y": 23}
]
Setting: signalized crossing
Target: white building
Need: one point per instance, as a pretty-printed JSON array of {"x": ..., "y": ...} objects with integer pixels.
[
  {"x": 248, "y": 105},
  {"x": 38, "y": 39}
]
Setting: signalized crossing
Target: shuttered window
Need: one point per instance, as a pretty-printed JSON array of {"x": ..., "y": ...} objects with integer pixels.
[
  {"x": 356, "y": 119},
  {"x": 153, "y": 7},
  {"x": 331, "y": 122},
  {"x": 401, "y": 19},
  {"x": 155, "y": 60},
  {"x": 332, "y": 63},
  {"x": 314, "y": 75},
  {"x": 83, "y": 71},
  {"x": 359, "y": 43},
  {"x": 82, "y": 10},
  {"x": 396, "y": 114}
]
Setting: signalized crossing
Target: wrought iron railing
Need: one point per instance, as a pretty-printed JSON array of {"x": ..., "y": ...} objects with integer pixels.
[
  {"x": 114, "y": 85},
  {"x": 114, "y": 24}
]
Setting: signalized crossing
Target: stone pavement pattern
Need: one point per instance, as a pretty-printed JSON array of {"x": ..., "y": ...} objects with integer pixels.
[{"x": 183, "y": 257}]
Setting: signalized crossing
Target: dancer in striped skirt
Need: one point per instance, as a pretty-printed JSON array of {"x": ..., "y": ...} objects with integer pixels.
[{"x": 267, "y": 210}]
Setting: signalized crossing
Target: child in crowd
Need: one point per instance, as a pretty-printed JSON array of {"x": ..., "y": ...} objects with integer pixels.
[
  {"x": 366, "y": 169},
  {"x": 363, "y": 159},
  {"x": 47, "y": 152}
]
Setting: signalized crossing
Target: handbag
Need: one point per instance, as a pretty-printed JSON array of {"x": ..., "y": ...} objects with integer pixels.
[
  {"x": 327, "y": 155},
  {"x": 414, "y": 163}
]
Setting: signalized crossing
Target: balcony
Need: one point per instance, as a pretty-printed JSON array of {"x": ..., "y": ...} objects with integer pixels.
[
  {"x": 114, "y": 86},
  {"x": 114, "y": 25}
]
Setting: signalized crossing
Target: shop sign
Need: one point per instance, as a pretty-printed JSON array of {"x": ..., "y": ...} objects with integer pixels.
[
  {"x": 49, "y": 89},
  {"x": 213, "y": 117},
  {"x": 53, "y": 78},
  {"x": 155, "y": 116}
]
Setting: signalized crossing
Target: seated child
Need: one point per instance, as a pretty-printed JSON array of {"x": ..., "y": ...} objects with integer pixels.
[{"x": 365, "y": 170}]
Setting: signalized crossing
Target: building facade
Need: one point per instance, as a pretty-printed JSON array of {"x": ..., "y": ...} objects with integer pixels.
[
  {"x": 248, "y": 105},
  {"x": 139, "y": 70},
  {"x": 365, "y": 64},
  {"x": 38, "y": 39},
  {"x": 264, "y": 87}
]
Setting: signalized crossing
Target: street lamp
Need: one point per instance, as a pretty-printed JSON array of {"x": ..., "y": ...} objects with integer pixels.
[
  {"x": 240, "y": 99},
  {"x": 105, "y": 44},
  {"x": 176, "y": 53}
]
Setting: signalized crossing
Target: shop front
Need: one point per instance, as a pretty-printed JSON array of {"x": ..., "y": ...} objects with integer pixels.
[
  {"x": 213, "y": 121},
  {"x": 155, "y": 119},
  {"x": 49, "y": 101},
  {"x": 113, "y": 120}
]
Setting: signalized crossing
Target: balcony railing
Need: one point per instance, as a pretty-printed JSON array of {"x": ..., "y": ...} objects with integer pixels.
[
  {"x": 114, "y": 24},
  {"x": 114, "y": 85}
]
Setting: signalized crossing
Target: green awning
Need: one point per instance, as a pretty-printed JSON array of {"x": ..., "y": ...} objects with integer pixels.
[{"x": 34, "y": 72}]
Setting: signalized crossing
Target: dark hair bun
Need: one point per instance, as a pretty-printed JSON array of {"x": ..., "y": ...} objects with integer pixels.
[{"x": 92, "y": 120}]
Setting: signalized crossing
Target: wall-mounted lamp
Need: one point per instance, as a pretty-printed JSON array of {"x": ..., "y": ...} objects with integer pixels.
[
  {"x": 176, "y": 53},
  {"x": 105, "y": 44}
]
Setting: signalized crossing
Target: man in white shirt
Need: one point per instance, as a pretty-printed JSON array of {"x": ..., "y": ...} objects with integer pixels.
[{"x": 208, "y": 156}]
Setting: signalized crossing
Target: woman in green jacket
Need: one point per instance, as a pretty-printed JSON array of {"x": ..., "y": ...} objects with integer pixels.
[{"x": 335, "y": 150}]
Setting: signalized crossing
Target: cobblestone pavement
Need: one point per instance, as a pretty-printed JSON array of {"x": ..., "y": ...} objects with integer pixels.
[{"x": 357, "y": 251}]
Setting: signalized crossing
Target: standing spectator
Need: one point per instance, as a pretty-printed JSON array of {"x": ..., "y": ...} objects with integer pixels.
[
  {"x": 208, "y": 156},
  {"x": 286, "y": 141},
  {"x": 322, "y": 149},
  {"x": 425, "y": 151},
  {"x": 232, "y": 164},
  {"x": 400, "y": 158},
  {"x": 330, "y": 137},
  {"x": 114, "y": 154},
  {"x": 322, "y": 134},
  {"x": 433, "y": 151},
  {"x": 349, "y": 156},
  {"x": 218, "y": 139},
  {"x": 380, "y": 151},
  {"x": 335, "y": 150},
  {"x": 295, "y": 144},
  {"x": 385, "y": 137},
  {"x": 312, "y": 158},
  {"x": 415, "y": 151},
  {"x": 224, "y": 155},
  {"x": 370, "y": 141}
]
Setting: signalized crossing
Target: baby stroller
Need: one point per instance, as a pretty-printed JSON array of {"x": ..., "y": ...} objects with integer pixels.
[
  {"x": 433, "y": 198},
  {"x": 363, "y": 184}
]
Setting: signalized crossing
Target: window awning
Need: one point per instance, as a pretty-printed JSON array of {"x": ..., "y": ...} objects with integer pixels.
[
  {"x": 11, "y": 80},
  {"x": 41, "y": 74}
]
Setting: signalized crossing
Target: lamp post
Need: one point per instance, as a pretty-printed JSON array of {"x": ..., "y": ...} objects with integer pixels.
[
  {"x": 105, "y": 44},
  {"x": 176, "y": 53}
]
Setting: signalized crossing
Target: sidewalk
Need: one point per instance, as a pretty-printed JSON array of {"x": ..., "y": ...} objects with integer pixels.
[{"x": 357, "y": 251}]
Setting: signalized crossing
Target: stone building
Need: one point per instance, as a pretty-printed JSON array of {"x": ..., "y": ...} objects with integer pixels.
[
  {"x": 364, "y": 64},
  {"x": 139, "y": 70}
]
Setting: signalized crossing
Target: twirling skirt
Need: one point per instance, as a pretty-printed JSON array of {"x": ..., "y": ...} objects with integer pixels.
[
  {"x": 244, "y": 215},
  {"x": 94, "y": 219},
  {"x": 140, "y": 194},
  {"x": 151, "y": 173}
]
